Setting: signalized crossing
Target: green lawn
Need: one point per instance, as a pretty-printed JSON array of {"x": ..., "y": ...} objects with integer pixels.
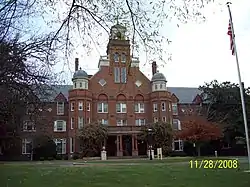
[{"x": 152, "y": 174}]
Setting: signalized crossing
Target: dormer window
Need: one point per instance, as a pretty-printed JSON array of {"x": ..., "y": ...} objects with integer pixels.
[
  {"x": 80, "y": 84},
  {"x": 156, "y": 87},
  {"x": 116, "y": 57},
  {"x": 123, "y": 58}
]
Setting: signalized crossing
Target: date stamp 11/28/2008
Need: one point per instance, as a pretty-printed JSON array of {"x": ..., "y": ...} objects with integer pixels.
[{"x": 213, "y": 164}]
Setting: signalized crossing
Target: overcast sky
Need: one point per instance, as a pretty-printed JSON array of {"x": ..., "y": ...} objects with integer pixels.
[{"x": 200, "y": 51}]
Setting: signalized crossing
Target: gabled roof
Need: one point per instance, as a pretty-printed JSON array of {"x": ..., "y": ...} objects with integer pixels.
[{"x": 184, "y": 94}]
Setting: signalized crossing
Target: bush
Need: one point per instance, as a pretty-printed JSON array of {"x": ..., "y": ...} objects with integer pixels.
[
  {"x": 41, "y": 159},
  {"x": 65, "y": 157},
  {"x": 177, "y": 153},
  {"x": 58, "y": 157},
  {"x": 50, "y": 158},
  {"x": 75, "y": 156}
]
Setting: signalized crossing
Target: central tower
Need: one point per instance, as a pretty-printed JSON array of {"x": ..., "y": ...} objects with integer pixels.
[{"x": 118, "y": 50}]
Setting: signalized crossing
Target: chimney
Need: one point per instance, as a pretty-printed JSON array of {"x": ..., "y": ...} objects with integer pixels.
[
  {"x": 154, "y": 68},
  {"x": 76, "y": 64}
]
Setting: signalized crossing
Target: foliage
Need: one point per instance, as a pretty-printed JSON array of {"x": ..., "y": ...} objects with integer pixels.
[
  {"x": 43, "y": 147},
  {"x": 198, "y": 131},
  {"x": 224, "y": 107},
  {"x": 162, "y": 136},
  {"x": 91, "y": 138}
]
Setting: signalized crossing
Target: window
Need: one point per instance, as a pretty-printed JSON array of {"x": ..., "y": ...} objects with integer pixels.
[
  {"x": 139, "y": 108},
  {"x": 155, "y": 107},
  {"x": 161, "y": 86},
  {"x": 174, "y": 109},
  {"x": 123, "y": 58},
  {"x": 72, "y": 106},
  {"x": 59, "y": 126},
  {"x": 163, "y": 106},
  {"x": 164, "y": 119},
  {"x": 169, "y": 107},
  {"x": 71, "y": 145},
  {"x": 156, "y": 87},
  {"x": 80, "y": 122},
  {"x": 60, "y": 108},
  {"x": 60, "y": 145},
  {"x": 29, "y": 126},
  {"x": 116, "y": 57},
  {"x": 102, "y": 108},
  {"x": 123, "y": 75},
  {"x": 72, "y": 123},
  {"x": 80, "y": 105},
  {"x": 140, "y": 122},
  {"x": 104, "y": 121},
  {"x": 117, "y": 74},
  {"x": 155, "y": 119},
  {"x": 177, "y": 145},
  {"x": 121, "y": 108},
  {"x": 88, "y": 106},
  {"x": 75, "y": 84},
  {"x": 80, "y": 85},
  {"x": 121, "y": 122},
  {"x": 176, "y": 124},
  {"x": 26, "y": 146}
]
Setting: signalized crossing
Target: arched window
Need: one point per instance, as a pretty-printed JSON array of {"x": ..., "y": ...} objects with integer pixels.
[
  {"x": 116, "y": 57},
  {"x": 75, "y": 84},
  {"x": 156, "y": 87},
  {"x": 160, "y": 86},
  {"x": 80, "y": 84},
  {"x": 123, "y": 58}
]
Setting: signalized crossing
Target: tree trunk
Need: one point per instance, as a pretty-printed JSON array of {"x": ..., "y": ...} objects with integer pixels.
[{"x": 198, "y": 149}]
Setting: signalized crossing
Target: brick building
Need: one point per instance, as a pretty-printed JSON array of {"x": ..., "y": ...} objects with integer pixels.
[{"x": 120, "y": 96}]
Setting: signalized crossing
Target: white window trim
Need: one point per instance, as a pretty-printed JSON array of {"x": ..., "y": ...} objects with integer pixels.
[
  {"x": 80, "y": 123},
  {"x": 25, "y": 126},
  {"x": 164, "y": 117},
  {"x": 102, "y": 104},
  {"x": 180, "y": 145},
  {"x": 156, "y": 119},
  {"x": 121, "y": 105},
  {"x": 155, "y": 107},
  {"x": 72, "y": 122},
  {"x": 178, "y": 124},
  {"x": 141, "y": 108},
  {"x": 25, "y": 142},
  {"x": 163, "y": 108},
  {"x": 104, "y": 121},
  {"x": 175, "y": 105},
  {"x": 63, "y": 142},
  {"x": 64, "y": 126},
  {"x": 88, "y": 106},
  {"x": 121, "y": 122},
  {"x": 80, "y": 105},
  {"x": 57, "y": 108},
  {"x": 71, "y": 145},
  {"x": 141, "y": 122},
  {"x": 72, "y": 106}
]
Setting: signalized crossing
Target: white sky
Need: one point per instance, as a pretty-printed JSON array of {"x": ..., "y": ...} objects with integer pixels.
[{"x": 200, "y": 52}]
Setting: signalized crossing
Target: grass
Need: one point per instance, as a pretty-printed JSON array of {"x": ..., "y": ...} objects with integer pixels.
[{"x": 154, "y": 174}]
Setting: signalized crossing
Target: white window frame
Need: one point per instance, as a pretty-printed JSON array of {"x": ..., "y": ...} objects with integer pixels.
[
  {"x": 140, "y": 122},
  {"x": 163, "y": 106},
  {"x": 178, "y": 124},
  {"x": 121, "y": 122},
  {"x": 26, "y": 124},
  {"x": 140, "y": 107},
  {"x": 164, "y": 119},
  {"x": 155, "y": 107},
  {"x": 88, "y": 106},
  {"x": 104, "y": 121},
  {"x": 72, "y": 106},
  {"x": 80, "y": 122},
  {"x": 72, "y": 122},
  {"x": 63, "y": 126},
  {"x": 102, "y": 107},
  {"x": 156, "y": 119},
  {"x": 26, "y": 142},
  {"x": 180, "y": 142},
  {"x": 63, "y": 142},
  {"x": 175, "y": 106},
  {"x": 121, "y": 108},
  {"x": 60, "y": 108},
  {"x": 80, "y": 105}
]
